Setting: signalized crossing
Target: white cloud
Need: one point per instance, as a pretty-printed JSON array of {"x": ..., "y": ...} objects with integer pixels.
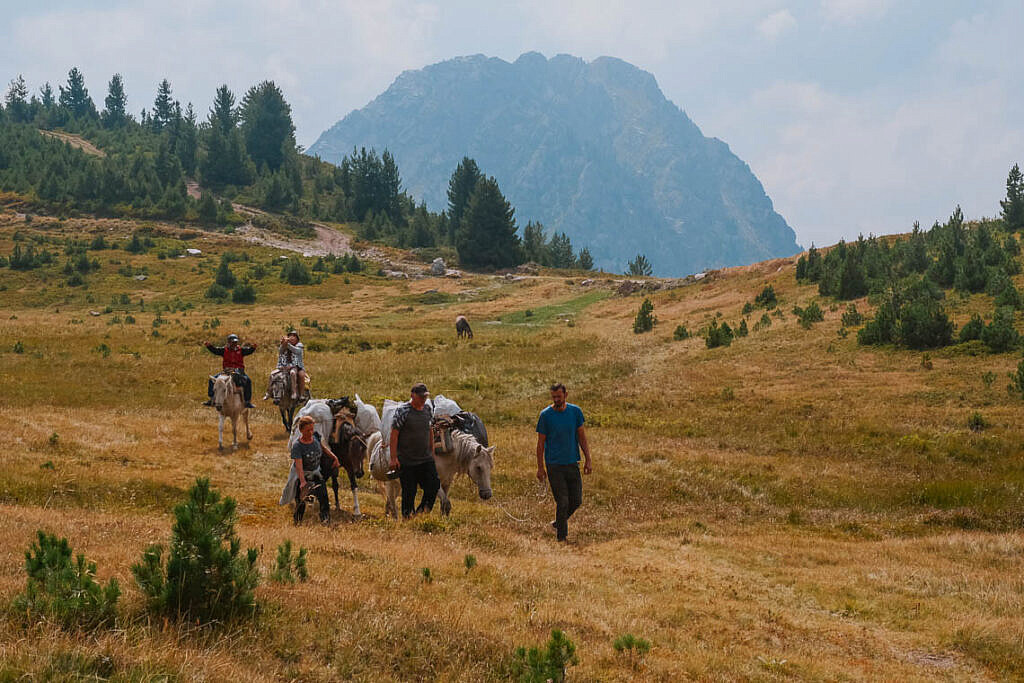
[
  {"x": 776, "y": 24},
  {"x": 838, "y": 165},
  {"x": 854, "y": 11}
]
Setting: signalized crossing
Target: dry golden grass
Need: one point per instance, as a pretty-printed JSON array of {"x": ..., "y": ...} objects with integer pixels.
[{"x": 793, "y": 506}]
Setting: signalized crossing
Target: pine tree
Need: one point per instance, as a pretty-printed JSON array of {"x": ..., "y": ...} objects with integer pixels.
[
  {"x": 207, "y": 209},
  {"x": 561, "y": 251},
  {"x": 535, "y": 244},
  {"x": 222, "y": 114},
  {"x": 420, "y": 234},
  {"x": 16, "y": 102},
  {"x": 1013, "y": 205},
  {"x": 585, "y": 261},
  {"x": 114, "y": 110},
  {"x": 74, "y": 99},
  {"x": 266, "y": 122},
  {"x": 391, "y": 188},
  {"x": 163, "y": 106},
  {"x": 206, "y": 577},
  {"x": 487, "y": 231},
  {"x": 640, "y": 267},
  {"x": 460, "y": 188},
  {"x": 645, "y": 318},
  {"x": 187, "y": 147}
]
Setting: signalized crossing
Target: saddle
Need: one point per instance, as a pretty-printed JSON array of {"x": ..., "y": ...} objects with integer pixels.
[
  {"x": 280, "y": 384},
  {"x": 441, "y": 431}
]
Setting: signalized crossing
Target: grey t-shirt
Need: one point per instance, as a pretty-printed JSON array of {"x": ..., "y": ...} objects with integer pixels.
[
  {"x": 308, "y": 453},
  {"x": 415, "y": 443}
]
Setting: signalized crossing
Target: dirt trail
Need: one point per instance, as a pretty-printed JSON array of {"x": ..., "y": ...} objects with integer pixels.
[
  {"x": 327, "y": 240},
  {"x": 75, "y": 141}
]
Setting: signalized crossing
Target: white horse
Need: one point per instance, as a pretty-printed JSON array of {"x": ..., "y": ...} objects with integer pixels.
[
  {"x": 468, "y": 457},
  {"x": 229, "y": 402}
]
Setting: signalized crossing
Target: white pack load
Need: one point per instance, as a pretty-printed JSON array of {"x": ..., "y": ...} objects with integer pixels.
[
  {"x": 380, "y": 463},
  {"x": 323, "y": 420},
  {"x": 387, "y": 414},
  {"x": 445, "y": 406},
  {"x": 366, "y": 419}
]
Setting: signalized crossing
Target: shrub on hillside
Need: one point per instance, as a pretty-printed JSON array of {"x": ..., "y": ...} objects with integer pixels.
[
  {"x": 295, "y": 272},
  {"x": 1016, "y": 385},
  {"x": 645, "y": 318},
  {"x": 288, "y": 569},
  {"x": 538, "y": 665},
  {"x": 205, "y": 577},
  {"x": 680, "y": 333},
  {"x": 767, "y": 298},
  {"x": 718, "y": 335},
  {"x": 224, "y": 276},
  {"x": 217, "y": 292},
  {"x": 244, "y": 293},
  {"x": 972, "y": 329},
  {"x": 63, "y": 590},
  {"x": 852, "y": 317},
  {"x": 632, "y": 648},
  {"x": 924, "y": 325},
  {"x": 1000, "y": 335},
  {"x": 809, "y": 315}
]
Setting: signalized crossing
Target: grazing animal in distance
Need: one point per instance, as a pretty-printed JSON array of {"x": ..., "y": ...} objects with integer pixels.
[
  {"x": 462, "y": 328},
  {"x": 227, "y": 397}
]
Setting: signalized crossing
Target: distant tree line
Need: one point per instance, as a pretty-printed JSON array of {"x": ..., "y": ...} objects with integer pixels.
[
  {"x": 243, "y": 151},
  {"x": 908, "y": 278}
]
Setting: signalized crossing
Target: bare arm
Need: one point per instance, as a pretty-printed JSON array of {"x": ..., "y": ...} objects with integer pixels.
[
  {"x": 581, "y": 435},
  {"x": 542, "y": 473},
  {"x": 298, "y": 470},
  {"x": 325, "y": 449},
  {"x": 394, "y": 449}
]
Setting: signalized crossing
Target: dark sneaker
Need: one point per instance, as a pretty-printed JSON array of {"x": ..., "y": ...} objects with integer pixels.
[
  {"x": 554, "y": 524},
  {"x": 208, "y": 403},
  {"x": 250, "y": 405}
]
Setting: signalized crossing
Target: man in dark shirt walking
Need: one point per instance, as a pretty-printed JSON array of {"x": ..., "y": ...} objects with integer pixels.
[
  {"x": 412, "y": 452},
  {"x": 560, "y": 435}
]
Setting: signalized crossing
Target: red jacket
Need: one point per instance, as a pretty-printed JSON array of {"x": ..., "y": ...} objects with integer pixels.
[{"x": 233, "y": 358}]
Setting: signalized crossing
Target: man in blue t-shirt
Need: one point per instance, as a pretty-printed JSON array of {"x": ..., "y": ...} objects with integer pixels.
[{"x": 560, "y": 435}]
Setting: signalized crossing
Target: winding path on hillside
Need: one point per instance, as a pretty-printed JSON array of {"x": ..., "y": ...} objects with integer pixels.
[{"x": 327, "y": 241}]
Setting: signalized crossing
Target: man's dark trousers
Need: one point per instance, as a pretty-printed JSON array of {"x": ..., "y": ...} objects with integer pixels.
[
  {"x": 320, "y": 491},
  {"x": 567, "y": 488},
  {"x": 423, "y": 475}
]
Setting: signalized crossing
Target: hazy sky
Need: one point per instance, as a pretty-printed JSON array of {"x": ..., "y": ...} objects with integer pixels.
[{"x": 857, "y": 115}]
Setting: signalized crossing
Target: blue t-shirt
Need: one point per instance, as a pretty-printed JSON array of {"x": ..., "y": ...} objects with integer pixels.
[{"x": 561, "y": 447}]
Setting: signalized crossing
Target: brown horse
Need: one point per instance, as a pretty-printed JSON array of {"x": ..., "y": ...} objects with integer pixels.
[
  {"x": 350, "y": 447},
  {"x": 462, "y": 328}
]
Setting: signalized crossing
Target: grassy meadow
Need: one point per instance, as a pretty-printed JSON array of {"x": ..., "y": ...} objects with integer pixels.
[{"x": 790, "y": 507}]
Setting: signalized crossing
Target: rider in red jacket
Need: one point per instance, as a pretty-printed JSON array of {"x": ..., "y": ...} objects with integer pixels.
[{"x": 234, "y": 361}]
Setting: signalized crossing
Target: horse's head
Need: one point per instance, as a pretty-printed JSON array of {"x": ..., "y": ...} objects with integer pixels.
[
  {"x": 353, "y": 450},
  {"x": 480, "y": 465},
  {"x": 337, "y": 404},
  {"x": 222, "y": 386}
]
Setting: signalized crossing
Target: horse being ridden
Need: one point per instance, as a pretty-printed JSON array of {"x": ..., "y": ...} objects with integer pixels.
[
  {"x": 228, "y": 398},
  {"x": 287, "y": 384},
  {"x": 233, "y": 355}
]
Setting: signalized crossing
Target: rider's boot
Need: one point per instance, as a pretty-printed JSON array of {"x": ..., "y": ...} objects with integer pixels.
[{"x": 209, "y": 402}]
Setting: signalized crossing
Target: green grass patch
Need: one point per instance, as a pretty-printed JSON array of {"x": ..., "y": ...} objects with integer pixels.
[{"x": 545, "y": 315}]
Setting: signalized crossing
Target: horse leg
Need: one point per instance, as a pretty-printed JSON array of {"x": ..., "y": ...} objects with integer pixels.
[
  {"x": 355, "y": 496},
  {"x": 234, "y": 432},
  {"x": 334, "y": 485},
  {"x": 220, "y": 431},
  {"x": 248, "y": 432}
]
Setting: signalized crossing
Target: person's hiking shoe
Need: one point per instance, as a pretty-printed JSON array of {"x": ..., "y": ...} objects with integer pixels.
[
  {"x": 250, "y": 405},
  {"x": 209, "y": 403},
  {"x": 554, "y": 524}
]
